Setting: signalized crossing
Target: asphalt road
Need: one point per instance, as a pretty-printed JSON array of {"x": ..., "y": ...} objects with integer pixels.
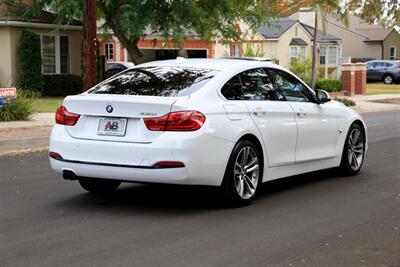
[{"x": 318, "y": 219}]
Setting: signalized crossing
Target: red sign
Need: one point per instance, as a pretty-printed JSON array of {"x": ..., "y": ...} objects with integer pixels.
[{"x": 8, "y": 93}]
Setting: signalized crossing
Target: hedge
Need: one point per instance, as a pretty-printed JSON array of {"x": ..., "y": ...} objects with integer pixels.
[
  {"x": 61, "y": 84},
  {"x": 30, "y": 61},
  {"x": 330, "y": 85}
]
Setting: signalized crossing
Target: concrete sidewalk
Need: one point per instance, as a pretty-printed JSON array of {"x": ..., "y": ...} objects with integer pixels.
[
  {"x": 26, "y": 136},
  {"x": 375, "y": 103},
  {"x": 33, "y": 135}
]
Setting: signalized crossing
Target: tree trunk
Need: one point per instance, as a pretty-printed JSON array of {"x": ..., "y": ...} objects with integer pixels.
[
  {"x": 314, "y": 54},
  {"x": 132, "y": 47},
  {"x": 112, "y": 20},
  {"x": 89, "y": 44}
]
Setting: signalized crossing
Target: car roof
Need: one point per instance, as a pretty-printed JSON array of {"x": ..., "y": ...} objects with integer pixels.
[
  {"x": 382, "y": 60},
  {"x": 211, "y": 63}
]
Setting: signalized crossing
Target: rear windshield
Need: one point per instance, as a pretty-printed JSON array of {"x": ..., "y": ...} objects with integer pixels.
[{"x": 156, "y": 81}]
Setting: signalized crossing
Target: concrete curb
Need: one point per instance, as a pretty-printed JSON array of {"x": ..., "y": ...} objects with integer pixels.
[{"x": 23, "y": 145}]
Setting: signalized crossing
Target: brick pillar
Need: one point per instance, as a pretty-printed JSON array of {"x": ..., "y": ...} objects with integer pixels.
[
  {"x": 348, "y": 79},
  {"x": 360, "y": 78}
]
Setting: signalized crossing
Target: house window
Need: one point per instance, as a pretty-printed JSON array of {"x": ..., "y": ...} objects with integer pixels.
[
  {"x": 109, "y": 47},
  {"x": 393, "y": 53},
  {"x": 48, "y": 54},
  {"x": 55, "y": 54},
  {"x": 333, "y": 54},
  {"x": 322, "y": 55},
  {"x": 235, "y": 50},
  {"x": 297, "y": 52},
  {"x": 64, "y": 54},
  {"x": 330, "y": 53}
]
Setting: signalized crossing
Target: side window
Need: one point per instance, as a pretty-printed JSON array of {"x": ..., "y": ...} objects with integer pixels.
[
  {"x": 292, "y": 88},
  {"x": 232, "y": 90},
  {"x": 258, "y": 85}
]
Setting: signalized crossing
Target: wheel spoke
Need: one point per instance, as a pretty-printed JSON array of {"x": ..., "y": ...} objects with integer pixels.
[
  {"x": 359, "y": 150},
  {"x": 252, "y": 162},
  {"x": 251, "y": 169},
  {"x": 356, "y": 136},
  {"x": 240, "y": 186},
  {"x": 237, "y": 165},
  {"x": 245, "y": 155},
  {"x": 249, "y": 184},
  {"x": 350, "y": 140},
  {"x": 355, "y": 160}
]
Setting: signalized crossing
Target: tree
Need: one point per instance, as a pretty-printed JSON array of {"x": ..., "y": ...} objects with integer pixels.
[
  {"x": 384, "y": 12},
  {"x": 174, "y": 20},
  {"x": 30, "y": 61}
]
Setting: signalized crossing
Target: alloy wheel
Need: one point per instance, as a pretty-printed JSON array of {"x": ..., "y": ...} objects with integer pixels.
[
  {"x": 355, "y": 149},
  {"x": 247, "y": 172},
  {"x": 388, "y": 79}
]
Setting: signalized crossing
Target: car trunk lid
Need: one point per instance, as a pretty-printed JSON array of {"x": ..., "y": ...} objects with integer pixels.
[{"x": 127, "y": 110}]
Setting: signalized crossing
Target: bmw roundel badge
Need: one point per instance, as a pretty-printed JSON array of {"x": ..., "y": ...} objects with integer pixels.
[{"x": 109, "y": 108}]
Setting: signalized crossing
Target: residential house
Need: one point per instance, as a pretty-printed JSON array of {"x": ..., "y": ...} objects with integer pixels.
[
  {"x": 60, "y": 45},
  {"x": 285, "y": 39},
  {"x": 360, "y": 41}
]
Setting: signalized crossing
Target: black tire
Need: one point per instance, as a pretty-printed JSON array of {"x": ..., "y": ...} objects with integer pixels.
[
  {"x": 346, "y": 167},
  {"x": 99, "y": 186},
  {"x": 229, "y": 190},
  {"x": 388, "y": 79}
]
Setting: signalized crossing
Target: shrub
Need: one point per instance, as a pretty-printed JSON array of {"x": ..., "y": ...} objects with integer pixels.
[
  {"x": 302, "y": 67},
  {"x": 346, "y": 101},
  {"x": 30, "y": 61},
  {"x": 330, "y": 85},
  {"x": 61, "y": 85},
  {"x": 18, "y": 110},
  {"x": 250, "y": 52}
]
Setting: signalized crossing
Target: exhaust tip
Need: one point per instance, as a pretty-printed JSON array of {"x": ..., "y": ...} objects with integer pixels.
[{"x": 69, "y": 175}]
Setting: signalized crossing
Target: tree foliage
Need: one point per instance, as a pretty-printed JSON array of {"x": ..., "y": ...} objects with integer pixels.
[
  {"x": 385, "y": 12},
  {"x": 132, "y": 20},
  {"x": 30, "y": 61}
]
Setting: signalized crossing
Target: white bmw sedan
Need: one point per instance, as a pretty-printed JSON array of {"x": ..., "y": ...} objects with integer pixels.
[{"x": 229, "y": 123}]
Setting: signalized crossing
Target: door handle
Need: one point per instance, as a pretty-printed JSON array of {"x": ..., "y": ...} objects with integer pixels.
[
  {"x": 301, "y": 113},
  {"x": 259, "y": 112}
]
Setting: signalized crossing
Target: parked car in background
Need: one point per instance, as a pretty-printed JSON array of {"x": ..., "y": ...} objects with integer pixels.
[
  {"x": 115, "y": 67},
  {"x": 387, "y": 71}
]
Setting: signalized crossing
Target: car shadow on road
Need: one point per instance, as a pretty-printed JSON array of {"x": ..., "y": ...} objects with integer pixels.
[{"x": 170, "y": 199}]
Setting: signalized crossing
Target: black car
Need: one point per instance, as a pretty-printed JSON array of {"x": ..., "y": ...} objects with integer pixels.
[
  {"x": 113, "y": 68},
  {"x": 387, "y": 71}
]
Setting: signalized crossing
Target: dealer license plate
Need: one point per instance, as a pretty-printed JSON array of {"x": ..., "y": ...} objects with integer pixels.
[{"x": 112, "y": 126}]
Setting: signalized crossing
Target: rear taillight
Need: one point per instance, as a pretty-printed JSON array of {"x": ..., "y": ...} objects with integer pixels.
[
  {"x": 54, "y": 155},
  {"x": 184, "y": 121},
  {"x": 64, "y": 117}
]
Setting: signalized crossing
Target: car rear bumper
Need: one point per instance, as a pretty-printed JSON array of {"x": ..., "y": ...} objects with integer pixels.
[{"x": 204, "y": 156}]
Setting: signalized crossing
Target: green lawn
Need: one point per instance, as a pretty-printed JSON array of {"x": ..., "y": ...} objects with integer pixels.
[
  {"x": 381, "y": 88},
  {"x": 46, "y": 104}
]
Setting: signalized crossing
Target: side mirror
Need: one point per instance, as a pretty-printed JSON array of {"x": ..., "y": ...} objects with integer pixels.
[{"x": 323, "y": 96}]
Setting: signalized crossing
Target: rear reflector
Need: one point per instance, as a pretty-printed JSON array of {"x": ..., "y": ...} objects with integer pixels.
[
  {"x": 169, "y": 164},
  {"x": 184, "y": 121},
  {"x": 64, "y": 117},
  {"x": 54, "y": 155}
]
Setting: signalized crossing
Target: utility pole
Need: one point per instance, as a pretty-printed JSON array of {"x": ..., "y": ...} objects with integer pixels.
[{"x": 89, "y": 44}]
